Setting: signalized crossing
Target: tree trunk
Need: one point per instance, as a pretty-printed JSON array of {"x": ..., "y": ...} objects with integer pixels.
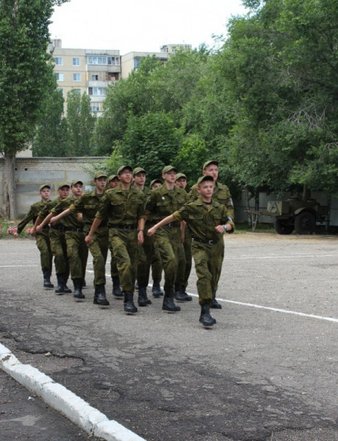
[{"x": 9, "y": 187}]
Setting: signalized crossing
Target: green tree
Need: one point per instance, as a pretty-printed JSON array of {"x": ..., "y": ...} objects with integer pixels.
[
  {"x": 80, "y": 124},
  {"x": 152, "y": 141},
  {"x": 25, "y": 73},
  {"x": 51, "y": 134}
]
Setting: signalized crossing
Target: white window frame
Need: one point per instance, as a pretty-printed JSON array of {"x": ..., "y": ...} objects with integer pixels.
[
  {"x": 76, "y": 61},
  {"x": 56, "y": 59},
  {"x": 60, "y": 76},
  {"x": 76, "y": 77}
]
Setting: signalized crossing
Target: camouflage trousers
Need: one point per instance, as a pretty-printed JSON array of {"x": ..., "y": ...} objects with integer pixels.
[
  {"x": 208, "y": 265},
  {"x": 149, "y": 257},
  {"x": 99, "y": 250},
  {"x": 168, "y": 243},
  {"x": 77, "y": 253},
  {"x": 125, "y": 252},
  {"x": 59, "y": 251},
  {"x": 46, "y": 256},
  {"x": 185, "y": 263}
]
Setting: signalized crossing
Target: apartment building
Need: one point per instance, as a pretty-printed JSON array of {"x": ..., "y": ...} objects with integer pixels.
[
  {"x": 86, "y": 70},
  {"x": 94, "y": 70}
]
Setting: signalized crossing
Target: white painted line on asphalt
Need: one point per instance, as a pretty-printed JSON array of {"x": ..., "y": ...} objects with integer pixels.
[
  {"x": 267, "y": 308},
  {"x": 283, "y": 311},
  {"x": 63, "y": 400},
  {"x": 274, "y": 256},
  {"x": 18, "y": 266}
]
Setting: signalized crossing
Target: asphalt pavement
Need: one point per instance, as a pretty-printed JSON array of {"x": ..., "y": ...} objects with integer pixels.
[{"x": 267, "y": 371}]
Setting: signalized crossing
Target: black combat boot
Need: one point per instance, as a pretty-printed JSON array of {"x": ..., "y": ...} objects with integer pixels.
[
  {"x": 100, "y": 296},
  {"x": 47, "y": 284},
  {"x": 128, "y": 305},
  {"x": 182, "y": 296},
  {"x": 78, "y": 295},
  {"x": 205, "y": 318},
  {"x": 60, "y": 289},
  {"x": 65, "y": 287},
  {"x": 117, "y": 292},
  {"x": 157, "y": 291},
  {"x": 169, "y": 304},
  {"x": 142, "y": 297},
  {"x": 214, "y": 303}
]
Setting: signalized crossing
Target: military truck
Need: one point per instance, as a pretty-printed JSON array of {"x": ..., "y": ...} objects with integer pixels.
[{"x": 297, "y": 214}]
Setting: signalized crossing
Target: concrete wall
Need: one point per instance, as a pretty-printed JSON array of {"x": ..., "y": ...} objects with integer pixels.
[{"x": 32, "y": 172}]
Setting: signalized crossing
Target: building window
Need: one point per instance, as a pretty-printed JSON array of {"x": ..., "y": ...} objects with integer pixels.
[
  {"x": 115, "y": 61},
  {"x": 76, "y": 61},
  {"x": 94, "y": 77},
  {"x": 97, "y": 91},
  {"x": 97, "y": 59},
  {"x": 78, "y": 91},
  {"x": 76, "y": 77},
  {"x": 95, "y": 107},
  {"x": 58, "y": 61},
  {"x": 59, "y": 76}
]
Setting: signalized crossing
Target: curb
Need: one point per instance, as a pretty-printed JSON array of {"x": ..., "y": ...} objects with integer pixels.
[{"x": 64, "y": 401}]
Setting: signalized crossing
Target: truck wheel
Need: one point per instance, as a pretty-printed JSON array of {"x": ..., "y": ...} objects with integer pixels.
[
  {"x": 283, "y": 227},
  {"x": 305, "y": 222}
]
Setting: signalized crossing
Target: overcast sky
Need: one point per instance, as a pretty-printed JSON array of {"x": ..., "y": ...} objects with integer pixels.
[{"x": 141, "y": 25}]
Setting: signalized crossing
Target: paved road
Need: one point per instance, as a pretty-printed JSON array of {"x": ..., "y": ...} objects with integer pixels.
[{"x": 264, "y": 373}]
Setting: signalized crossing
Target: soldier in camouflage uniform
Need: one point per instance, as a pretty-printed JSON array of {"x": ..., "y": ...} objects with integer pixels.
[
  {"x": 42, "y": 238},
  {"x": 223, "y": 196},
  {"x": 168, "y": 240},
  {"x": 207, "y": 220},
  {"x": 57, "y": 240},
  {"x": 123, "y": 206},
  {"x": 87, "y": 205},
  {"x": 183, "y": 272},
  {"x": 77, "y": 251},
  {"x": 113, "y": 182}
]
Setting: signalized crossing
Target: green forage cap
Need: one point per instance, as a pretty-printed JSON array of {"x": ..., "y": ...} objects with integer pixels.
[
  {"x": 44, "y": 186},
  {"x": 180, "y": 175},
  {"x": 154, "y": 182},
  {"x": 100, "y": 174},
  {"x": 169, "y": 168},
  {"x": 204, "y": 178},
  {"x": 112, "y": 177},
  {"x": 124, "y": 167},
  {"x": 205, "y": 165},
  {"x": 138, "y": 170},
  {"x": 63, "y": 184},
  {"x": 76, "y": 182}
]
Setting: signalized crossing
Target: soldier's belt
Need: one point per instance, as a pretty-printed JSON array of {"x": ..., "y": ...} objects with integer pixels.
[
  {"x": 124, "y": 227},
  {"x": 205, "y": 241},
  {"x": 77, "y": 230},
  {"x": 58, "y": 227}
]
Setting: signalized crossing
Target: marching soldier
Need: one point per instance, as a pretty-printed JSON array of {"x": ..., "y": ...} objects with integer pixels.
[
  {"x": 87, "y": 205},
  {"x": 113, "y": 182},
  {"x": 42, "y": 238},
  {"x": 77, "y": 251},
  {"x": 223, "y": 196},
  {"x": 57, "y": 240},
  {"x": 162, "y": 202},
  {"x": 183, "y": 271},
  {"x": 123, "y": 206},
  {"x": 207, "y": 220}
]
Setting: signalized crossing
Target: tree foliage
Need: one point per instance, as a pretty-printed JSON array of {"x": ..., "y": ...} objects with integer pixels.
[{"x": 25, "y": 77}]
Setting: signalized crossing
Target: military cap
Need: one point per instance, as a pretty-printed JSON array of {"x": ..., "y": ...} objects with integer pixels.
[
  {"x": 63, "y": 184},
  {"x": 76, "y": 182},
  {"x": 124, "y": 167},
  {"x": 204, "y": 178},
  {"x": 205, "y": 165},
  {"x": 180, "y": 175},
  {"x": 168, "y": 168},
  {"x": 154, "y": 182},
  {"x": 44, "y": 186},
  {"x": 100, "y": 174},
  {"x": 138, "y": 170},
  {"x": 112, "y": 177}
]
